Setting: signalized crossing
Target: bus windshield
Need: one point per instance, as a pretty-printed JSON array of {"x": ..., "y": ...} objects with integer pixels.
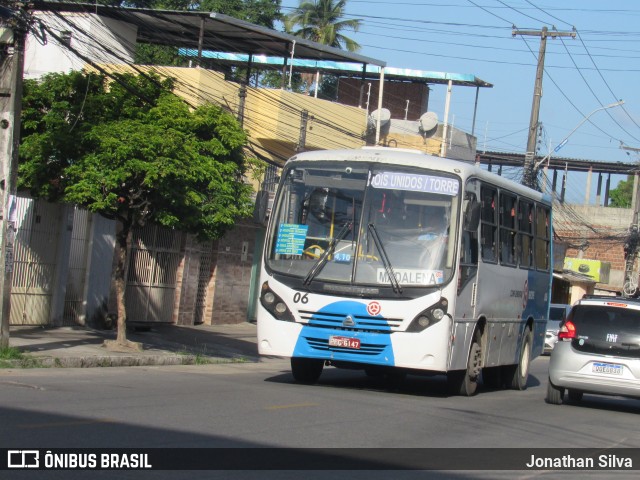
[{"x": 355, "y": 223}]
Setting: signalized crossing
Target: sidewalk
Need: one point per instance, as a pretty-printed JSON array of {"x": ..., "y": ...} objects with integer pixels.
[{"x": 163, "y": 344}]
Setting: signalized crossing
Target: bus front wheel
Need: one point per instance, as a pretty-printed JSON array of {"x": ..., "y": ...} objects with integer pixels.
[
  {"x": 306, "y": 370},
  {"x": 465, "y": 382}
]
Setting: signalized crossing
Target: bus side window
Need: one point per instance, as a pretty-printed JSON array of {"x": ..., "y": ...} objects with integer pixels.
[
  {"x": 469, "y": 249},
  {"x": 542, "y": 238},
  {"x": 488, "y": 229},
  {"x": 525, "y": 234},
  {"x": 507, "y": 229}
]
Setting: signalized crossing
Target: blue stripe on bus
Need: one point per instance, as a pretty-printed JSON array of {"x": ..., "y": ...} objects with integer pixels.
[
  {"x": 375, "y": 347},
  {"x": 538, "y": 282}
]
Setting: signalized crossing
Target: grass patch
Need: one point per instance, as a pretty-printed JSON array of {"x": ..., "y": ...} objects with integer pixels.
[
  {"x": 10, "y": 353},
  {"x": 209, "y": 358},
  {"x": 11, "y": 357},
  {"x": 201, "y": 359}
]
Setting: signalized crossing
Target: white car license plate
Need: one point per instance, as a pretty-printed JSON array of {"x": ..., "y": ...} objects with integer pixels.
[
  {"x": 344, "y": 342},
  {"x": 608, "y": 368}
]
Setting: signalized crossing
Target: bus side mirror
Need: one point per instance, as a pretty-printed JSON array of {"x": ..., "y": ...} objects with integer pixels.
[
  {"x": 472, "y": 216},
  {"x": 260, "y": 208}
]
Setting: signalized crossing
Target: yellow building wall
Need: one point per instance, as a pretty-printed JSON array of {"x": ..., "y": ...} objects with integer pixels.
[
  {"x": 196, "y": 85},
  {"x": 273, "y": 120},
  {"x": 272, "y": 117},
  {"x": 415, "y": 142}
]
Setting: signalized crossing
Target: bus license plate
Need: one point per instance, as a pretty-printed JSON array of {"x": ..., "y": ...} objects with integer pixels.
[
  {"x": 608, "y": 368},
  {"x": 344, "y": 342}
]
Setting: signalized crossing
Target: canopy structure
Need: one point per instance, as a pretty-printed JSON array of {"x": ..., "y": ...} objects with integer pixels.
[
  {"x": 210, "y": 31},
  {"x": 372, "y": 71},
  {"x": 202, "y": 32}
]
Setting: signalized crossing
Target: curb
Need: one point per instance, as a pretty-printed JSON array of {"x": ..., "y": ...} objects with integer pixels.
[{"x": 124, "y": 361}]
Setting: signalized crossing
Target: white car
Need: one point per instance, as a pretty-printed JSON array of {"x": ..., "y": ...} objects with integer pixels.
[
  {"x": 557, "y": 313},
  {"x": 598, "y": 350}
]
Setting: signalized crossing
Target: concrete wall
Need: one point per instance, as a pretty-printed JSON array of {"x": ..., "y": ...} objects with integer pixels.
[
  {"x": 117, "y": 37},
  {"x": 405, "y": 134},
  {"x": 230, "y": 285},
  {"x": 396, "y": 94}
]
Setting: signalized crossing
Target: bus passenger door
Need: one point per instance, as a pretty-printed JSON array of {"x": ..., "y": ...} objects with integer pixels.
[
  {"x": 464, "y": 313},
  {"x": 467, "y": 276}
]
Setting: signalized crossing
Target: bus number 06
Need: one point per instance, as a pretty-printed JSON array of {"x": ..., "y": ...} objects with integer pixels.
[{"x": 301, "y": 298}]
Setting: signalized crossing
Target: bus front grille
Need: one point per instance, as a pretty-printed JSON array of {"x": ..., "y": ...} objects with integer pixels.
[{"x": 342, "y": 321}]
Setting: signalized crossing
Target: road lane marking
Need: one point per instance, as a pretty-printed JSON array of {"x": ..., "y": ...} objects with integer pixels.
[
  {"x": 293, "y": 405},
  {"x": 23, "y": 385}
]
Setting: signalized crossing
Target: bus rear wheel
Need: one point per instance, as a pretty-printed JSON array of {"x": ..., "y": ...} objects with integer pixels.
[
  {"x": 306, "y": 370},
  {"x": 517, "y": 375},
  {"x": 465, "y": 382}
]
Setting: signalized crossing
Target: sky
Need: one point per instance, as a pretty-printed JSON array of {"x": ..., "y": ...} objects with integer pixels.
[{"x": 597, "y": 68}]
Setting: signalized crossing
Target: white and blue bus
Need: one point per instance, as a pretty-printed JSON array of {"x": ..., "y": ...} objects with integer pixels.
[{"x": 395, "y": 261}]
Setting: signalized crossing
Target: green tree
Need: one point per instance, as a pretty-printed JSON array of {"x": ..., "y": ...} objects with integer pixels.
[
  {"x": 134, "y": 158},
  {"x": 621, "y": 195},
  {"x": 259, "y": 12},
  {"x": 328, "y": 89}
]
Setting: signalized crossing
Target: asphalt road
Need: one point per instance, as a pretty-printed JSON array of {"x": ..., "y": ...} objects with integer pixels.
[{"x": 258, "y": 405}]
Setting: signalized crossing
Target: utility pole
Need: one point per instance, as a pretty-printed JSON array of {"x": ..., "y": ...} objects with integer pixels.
[
  {"x": 302, "y": 139},
  {"x": 13, "y": 30},
  {"x": 632, "y": 244},
  {"x": 528, "y": 177},
  {"x": 630, "y": 285}
]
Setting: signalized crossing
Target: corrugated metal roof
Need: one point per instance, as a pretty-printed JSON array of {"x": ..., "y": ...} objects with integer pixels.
[
  {"x": 209, "y": 30},
  {"x": 346, "y": 68},
  {"x": 574, "y": 277}
]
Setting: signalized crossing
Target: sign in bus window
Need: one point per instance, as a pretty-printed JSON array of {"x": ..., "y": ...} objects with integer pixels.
[
  {"x": 406, "y": 276},
  {"x": 291, "y": 238}
]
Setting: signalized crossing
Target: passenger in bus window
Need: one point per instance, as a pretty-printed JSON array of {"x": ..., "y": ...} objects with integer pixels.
[
  {"x": 436, "y": 225},
  {"x": 317, "y": 203}
]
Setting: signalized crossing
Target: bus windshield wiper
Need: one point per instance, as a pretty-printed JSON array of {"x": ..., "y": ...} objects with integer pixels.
[
  {"x": 385, "y": 259},
  {"x": 322, "y": 261}
]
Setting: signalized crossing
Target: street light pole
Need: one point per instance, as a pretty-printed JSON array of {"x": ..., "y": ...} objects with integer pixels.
[
  {"x": 12, "y": 43},
  {"x": 564, "y": 141}
]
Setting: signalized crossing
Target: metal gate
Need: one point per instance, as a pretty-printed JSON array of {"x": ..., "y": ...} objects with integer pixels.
[
  {"x": 152, "y": 272},
  {"x": 74, "y": 302},
  {"x": 35, "y": 253}
]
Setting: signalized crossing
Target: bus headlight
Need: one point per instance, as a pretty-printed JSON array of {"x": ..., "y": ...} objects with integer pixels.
[
  {"x": 423, "y": 321},
  {"x": 274, "y": 304},
  {"x": 269, "y": 297},
  {"x": 428, "y": 317}
]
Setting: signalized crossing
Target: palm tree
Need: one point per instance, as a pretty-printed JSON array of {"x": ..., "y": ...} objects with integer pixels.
[{"x": 320, "y": 21}]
